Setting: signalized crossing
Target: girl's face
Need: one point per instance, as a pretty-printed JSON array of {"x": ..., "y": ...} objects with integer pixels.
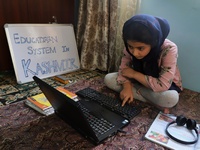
[{"x": 138, "y": 49}]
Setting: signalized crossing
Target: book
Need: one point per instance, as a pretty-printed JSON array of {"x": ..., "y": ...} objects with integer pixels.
[
  {"x": 156, "y": 133},
  {"x": 41, "y": 104},
  {"x": 40, "y": 101},
  {"x": 62, "y": 79},
  {"x": 67, "y": 93},
  {"x": 46, "y": 112}
]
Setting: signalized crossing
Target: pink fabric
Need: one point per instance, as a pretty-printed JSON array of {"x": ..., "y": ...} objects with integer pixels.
[{"x": 168, "y": 64}]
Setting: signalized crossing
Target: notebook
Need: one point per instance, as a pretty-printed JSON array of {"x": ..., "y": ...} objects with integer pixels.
[{"x": 90, "y": 119}]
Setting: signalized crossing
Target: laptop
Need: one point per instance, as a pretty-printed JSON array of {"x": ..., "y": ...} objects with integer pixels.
[{"x": 90, "y": 119}]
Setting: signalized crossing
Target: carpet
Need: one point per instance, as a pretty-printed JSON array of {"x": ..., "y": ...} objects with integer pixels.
[
  {"x": 22, "y": 128},
  {"x": 11, "y": 92}
]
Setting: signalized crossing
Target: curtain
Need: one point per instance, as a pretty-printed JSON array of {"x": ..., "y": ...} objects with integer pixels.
[{"x": 99, "y": 32}]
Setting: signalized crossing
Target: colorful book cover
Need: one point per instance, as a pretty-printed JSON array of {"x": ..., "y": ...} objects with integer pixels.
[
  {"x": 66, "y": 92},
  {"x": 42, "y": 102},
  {"x": 46, "y": 112}
]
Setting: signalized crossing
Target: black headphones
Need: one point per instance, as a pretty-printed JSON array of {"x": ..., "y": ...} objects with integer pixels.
[{"x": 181, "y": 121}]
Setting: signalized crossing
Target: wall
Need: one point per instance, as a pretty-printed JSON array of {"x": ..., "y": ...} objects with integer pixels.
[
  {"x": 183, "y": 16},
  {"x": 30, "y": 11}
]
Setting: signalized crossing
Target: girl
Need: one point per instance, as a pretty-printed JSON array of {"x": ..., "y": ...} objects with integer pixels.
[{"x": 148, "y": 69}]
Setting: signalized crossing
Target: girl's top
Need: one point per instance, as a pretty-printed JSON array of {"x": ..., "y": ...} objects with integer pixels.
[{"x": 167, "y": 63}]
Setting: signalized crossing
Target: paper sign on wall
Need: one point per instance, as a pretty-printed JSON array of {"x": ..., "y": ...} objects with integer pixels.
[{"x": 43, "y": 50}]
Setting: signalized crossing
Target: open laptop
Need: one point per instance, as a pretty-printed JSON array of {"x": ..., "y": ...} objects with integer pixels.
[{"x": 84, "y": 115}]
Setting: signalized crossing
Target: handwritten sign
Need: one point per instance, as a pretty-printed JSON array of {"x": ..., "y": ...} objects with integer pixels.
[{"x": 43, "y": 50}]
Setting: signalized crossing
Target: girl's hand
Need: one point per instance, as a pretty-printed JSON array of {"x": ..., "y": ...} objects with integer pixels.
[
  {"x": 128, "y": 72},
  {"x": 126, "y": 94},
  {"x": 132, "y": 74}
]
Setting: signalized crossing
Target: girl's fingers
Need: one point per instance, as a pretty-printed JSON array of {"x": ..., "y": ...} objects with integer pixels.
[{"x": 126, "y": 99}]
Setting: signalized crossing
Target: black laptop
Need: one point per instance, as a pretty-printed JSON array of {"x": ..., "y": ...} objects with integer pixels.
[{"x": 89, "y": 118}]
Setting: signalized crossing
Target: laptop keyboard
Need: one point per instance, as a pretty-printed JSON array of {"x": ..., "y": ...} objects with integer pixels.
[
  {"x": 112, "y": 104},
  {"x": 99, "y": 125}
]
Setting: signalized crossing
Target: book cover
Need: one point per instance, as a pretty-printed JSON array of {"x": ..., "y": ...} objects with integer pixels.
[
  {"x": 156, "y": 133},
  {"x": 62, "y": 79},
  {"x": 67, "y": 92},
  {"x": 40, "y": 101},
  {"x": 46, "y": 112}
]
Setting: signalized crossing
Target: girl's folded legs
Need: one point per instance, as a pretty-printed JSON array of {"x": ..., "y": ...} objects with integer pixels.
[{"x": 162, "y": 100}]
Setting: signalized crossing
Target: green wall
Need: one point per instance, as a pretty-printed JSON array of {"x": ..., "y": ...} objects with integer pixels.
[{"x": 184, "y": 19}]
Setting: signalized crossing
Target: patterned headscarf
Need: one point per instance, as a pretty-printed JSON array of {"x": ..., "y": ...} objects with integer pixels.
[{"x": 155, "y": 30}]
